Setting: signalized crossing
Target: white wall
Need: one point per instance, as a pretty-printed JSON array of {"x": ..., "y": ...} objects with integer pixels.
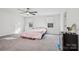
[
  {"x": 9, "y": 22},
  {"x": 42, "y": 21}
]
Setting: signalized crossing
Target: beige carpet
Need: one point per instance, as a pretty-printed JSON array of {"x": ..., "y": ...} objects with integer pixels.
[{"x": 27, "y": 45}]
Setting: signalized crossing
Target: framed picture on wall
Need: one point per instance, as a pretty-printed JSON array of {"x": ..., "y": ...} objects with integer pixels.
[
  {"x": 50, "y": 25},
  {"x": 30, "y": 24}
]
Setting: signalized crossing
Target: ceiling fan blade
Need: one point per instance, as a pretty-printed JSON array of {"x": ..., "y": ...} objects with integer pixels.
[
  {"x": 23, "y": 12},
  {"x": 20, "y": 10},
  {"x": 35, "y": 11},
  {"x": 33, "y": 14}
]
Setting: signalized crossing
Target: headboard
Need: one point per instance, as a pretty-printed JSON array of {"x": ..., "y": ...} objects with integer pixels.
[{"x": 54, "y": 23}]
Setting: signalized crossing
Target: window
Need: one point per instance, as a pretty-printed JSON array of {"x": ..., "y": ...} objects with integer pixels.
[{"x": 50, "y": 25}]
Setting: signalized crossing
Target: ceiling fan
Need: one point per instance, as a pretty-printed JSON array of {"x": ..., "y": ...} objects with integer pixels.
[{"x": 27, "y": 11}]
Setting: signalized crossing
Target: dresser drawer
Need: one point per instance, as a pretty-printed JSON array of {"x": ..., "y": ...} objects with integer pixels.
[{"x": 70, "y": 42}]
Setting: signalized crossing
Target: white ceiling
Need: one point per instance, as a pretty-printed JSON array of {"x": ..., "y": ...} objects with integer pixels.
[{"x": 41, "y": 11}]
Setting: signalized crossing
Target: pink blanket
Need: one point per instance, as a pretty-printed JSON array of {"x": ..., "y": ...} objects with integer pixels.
[{"x": 34, "y": 33}]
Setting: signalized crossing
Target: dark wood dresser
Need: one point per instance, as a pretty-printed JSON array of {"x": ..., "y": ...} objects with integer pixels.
[{"x": 70, "y": 42}]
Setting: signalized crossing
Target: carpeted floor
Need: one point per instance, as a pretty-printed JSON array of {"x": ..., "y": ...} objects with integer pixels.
[{"x": 21, "y": 44}]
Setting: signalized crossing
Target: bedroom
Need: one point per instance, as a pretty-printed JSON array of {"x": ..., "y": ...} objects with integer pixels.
[{"x": 41, "y": 31}]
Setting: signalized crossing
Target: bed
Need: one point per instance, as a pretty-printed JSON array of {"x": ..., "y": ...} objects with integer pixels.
[{"x": 34, "y": 33}]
